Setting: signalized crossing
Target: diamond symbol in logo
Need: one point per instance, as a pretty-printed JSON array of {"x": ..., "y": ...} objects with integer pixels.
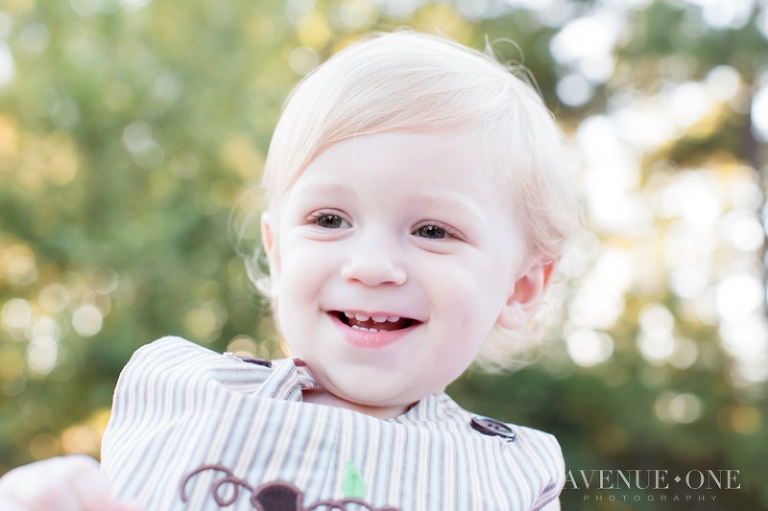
[{"x": 677, "y": 479}]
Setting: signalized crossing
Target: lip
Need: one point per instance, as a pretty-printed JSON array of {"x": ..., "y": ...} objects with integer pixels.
[{"x": 367, "y": 339}]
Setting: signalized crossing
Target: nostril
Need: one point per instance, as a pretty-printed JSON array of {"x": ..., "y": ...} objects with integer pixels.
[{"x": 374, "y": 272}]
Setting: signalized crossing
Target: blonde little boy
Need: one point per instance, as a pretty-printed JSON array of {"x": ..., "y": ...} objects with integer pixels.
[{"x": 417, "y": 205}]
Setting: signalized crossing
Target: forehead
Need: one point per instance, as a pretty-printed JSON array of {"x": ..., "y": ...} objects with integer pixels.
[{"x": 423, "y": 164}]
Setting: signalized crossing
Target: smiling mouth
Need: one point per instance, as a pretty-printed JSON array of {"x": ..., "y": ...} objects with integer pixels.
[{"x": 374, "y": 323}]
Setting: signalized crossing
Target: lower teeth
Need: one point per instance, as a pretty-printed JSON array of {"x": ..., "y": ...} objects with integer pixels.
[{"x": 365, "y": 329}]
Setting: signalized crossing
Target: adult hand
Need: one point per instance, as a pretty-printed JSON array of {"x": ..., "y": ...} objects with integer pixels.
[{"x": 71, "y": 483}]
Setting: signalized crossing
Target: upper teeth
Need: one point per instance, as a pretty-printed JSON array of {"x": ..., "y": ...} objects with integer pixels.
[{"x": 376, "y": 319}]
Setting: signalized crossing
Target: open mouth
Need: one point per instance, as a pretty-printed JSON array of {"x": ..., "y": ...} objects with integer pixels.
[{"x": 374, "y": 323}]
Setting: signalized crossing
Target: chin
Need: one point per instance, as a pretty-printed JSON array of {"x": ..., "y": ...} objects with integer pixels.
[{"x": 375, "y": 397}]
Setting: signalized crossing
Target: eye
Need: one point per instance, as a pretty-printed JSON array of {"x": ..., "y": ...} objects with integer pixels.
[
  {"x": 330, "y": 221},
  {"x": 431, "y": 231}
]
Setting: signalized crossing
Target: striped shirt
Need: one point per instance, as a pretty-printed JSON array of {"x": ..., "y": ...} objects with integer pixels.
[{"x": 195, "y": 430}]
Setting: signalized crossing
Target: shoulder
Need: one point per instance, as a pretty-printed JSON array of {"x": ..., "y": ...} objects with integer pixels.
[
  {"x": 172, "y": 368},
  {"x": 534, "y": 457},
  {"x": 539, "y": 444},
  {"x": 166, "y": 349},
  {"x": 174, "y": 354},
  {"x": 170, "y": 360},
  {"x": 160, "y": 356},
  {"x": 173, "y": 379},
  {"x": 540, "y": 455},
  {"x": 533, "y": 441}
]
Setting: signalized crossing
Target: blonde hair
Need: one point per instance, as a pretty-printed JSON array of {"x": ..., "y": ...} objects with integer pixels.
[{"x": 407, "y": 81}]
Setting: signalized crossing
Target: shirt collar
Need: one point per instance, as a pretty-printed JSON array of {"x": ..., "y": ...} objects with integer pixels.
[{"x": 290, "y": 377}]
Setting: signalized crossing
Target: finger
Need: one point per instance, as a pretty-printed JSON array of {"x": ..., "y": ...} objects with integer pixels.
[
  {"x": 130, "y": 506},
  {"x": 6, "y": 504},
  {"x": 37, "y": 487},
  {"x": 92, "y": 487},
  {"x": 82, "y": 476},
  {"x": 71, "y": 483}
]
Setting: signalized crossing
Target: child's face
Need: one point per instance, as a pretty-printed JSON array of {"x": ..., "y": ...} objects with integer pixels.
[{"x": 410, "y": 236}]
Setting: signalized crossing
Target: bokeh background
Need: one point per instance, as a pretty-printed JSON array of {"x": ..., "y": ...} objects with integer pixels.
[{"x": 132, "y": 133}]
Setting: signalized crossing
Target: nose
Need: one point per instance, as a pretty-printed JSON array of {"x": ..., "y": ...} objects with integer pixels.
[{"x": 374, "y": 264}]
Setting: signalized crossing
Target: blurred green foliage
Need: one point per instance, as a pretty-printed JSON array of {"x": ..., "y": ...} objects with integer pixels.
[{"x": 132, "y": 134}]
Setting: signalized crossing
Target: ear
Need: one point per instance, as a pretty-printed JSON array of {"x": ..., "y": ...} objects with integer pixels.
[
  {"x": 268, "y": 230},
  {"x": 527, "y": 293}
]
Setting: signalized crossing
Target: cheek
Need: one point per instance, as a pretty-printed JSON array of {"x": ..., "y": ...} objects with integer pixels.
[
  {"x": 450, "y": 362},
  {"x": 308, "y": 272},
  {"x": 296, "y": 304},
  {"x": 470, "y": 291},
  {"x": 297, "y": 287},
  {"x": 304, "y": 265}
]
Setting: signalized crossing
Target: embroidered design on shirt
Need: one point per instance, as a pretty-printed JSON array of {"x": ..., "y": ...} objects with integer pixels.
[
  {"x": 353, "y": 485},
  {"x": 277, "y": 495}
]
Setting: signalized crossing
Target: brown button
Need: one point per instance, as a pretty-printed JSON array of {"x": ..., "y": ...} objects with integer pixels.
[
  {"x": 492, "y": 427},
  {"x": 257, "y": 361}
]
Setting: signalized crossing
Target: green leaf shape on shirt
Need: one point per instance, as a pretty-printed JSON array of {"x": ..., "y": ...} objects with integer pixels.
[{"x": 353, "y": 485}]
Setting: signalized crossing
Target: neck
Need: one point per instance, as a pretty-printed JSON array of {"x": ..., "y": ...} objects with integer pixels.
[{"x": 323, "y": 397}]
